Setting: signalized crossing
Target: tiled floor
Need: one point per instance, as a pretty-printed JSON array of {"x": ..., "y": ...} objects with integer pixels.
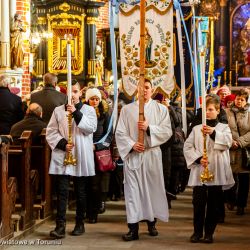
[{"x": 106, "y": 234}]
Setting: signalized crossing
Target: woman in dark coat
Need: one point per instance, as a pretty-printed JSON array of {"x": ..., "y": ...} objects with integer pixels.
[{"x": 98, "y": 185}]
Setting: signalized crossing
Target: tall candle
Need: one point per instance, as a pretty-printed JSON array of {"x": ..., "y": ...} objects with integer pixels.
[
  {"x": 230, "y": 78},
  {"x": 68, "y": 37},
  {"x": 225, "y": 77},
  {"x": 219, "y": 80},
  {"x": 236, "y": 73}
]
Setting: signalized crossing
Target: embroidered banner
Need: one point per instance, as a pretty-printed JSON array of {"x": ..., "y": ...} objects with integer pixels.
[{"x": 159, "y": 46}]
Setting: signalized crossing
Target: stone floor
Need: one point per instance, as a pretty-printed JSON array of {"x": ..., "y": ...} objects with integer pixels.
[{"x": 106, "y": 234}]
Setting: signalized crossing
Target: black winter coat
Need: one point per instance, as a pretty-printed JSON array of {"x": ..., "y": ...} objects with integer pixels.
[
  {"x": 10, "y": 110},
  {"x": 48, "y": 98},
  {"x": 30, "y": 122},
  {"x": 102, "y": 128}
]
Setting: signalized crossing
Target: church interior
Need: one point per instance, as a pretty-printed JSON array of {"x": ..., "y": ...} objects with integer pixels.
[
  {"x": 34, "y": 39},
  {"x": 45, "y": 24}
]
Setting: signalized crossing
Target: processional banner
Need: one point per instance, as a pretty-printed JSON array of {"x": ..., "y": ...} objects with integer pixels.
[{"x": 159, "y": 45}]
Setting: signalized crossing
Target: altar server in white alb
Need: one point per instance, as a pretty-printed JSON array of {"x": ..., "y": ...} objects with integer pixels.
[
  {"x": 145, "y": 195},
  {"x": 207, "y": 196},
  {"x": 84, "y": 125}
]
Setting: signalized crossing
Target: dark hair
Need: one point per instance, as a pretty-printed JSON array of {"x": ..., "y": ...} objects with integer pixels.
[
  {"x": 74, "y": 82},
  {"x": 214, "y": 101},
  {"x": 242, "y": 92},
  {"x": 100, "y": 109},
  {"x": 148, "y": 80}
]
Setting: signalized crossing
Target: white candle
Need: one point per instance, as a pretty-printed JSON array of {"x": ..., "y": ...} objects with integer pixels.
[{"x": 69, "y": 85}]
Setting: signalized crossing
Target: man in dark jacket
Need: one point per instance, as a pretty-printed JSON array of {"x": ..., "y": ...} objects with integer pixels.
[
  {"x": 49, "y": 98},
  {"x": 10, "y": 106},
  {"x": 32, "y": 121}
]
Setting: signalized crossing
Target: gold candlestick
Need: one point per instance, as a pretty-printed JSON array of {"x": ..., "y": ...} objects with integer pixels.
[
  {"x": 206, "y": 175},
  {"x": 230, "y": 78},
  {"x": 219, "y": 80},
  {"x": 225, "y": 77},
  {"x": 236, "y": 73},
  {"x": 69, "y": 158}
]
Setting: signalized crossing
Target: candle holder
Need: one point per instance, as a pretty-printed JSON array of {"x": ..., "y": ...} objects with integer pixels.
[
  {"x": 68, "y": 37},
  {"x": 225, "y": 77},
  {"x": 69, "y": 158},
  {"x": 236, "y": 73},
  {"x": 206, "y": 175},
  {"x": 230, "y": 78},
  {"x": 219, "y": 81}
]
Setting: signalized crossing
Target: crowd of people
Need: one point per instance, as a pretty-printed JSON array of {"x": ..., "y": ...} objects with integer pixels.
[{"x": 149, "y": 175}]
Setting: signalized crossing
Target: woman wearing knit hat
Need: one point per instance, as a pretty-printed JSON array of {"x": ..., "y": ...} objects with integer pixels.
[
  {"x": 229, "y": 100},
  {"x": 222, "y": 93},
  {"x": 98, "y": 185}
]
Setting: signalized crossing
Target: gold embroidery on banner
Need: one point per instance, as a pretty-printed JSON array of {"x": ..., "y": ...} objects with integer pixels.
[{"x": 150, "y": 7}]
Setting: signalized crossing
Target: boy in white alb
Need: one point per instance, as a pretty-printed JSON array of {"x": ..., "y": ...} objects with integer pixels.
[
  {"x": 206, "y": 196},
  {"x": 83, "y": 126}
]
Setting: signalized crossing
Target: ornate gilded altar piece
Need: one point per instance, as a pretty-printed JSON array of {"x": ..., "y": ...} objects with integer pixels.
[
  {"x": 61, "y": 25},
  {"x": 240, "y": 39}
]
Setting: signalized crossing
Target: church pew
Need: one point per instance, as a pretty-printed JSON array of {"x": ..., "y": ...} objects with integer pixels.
[
  {"x": 7, "y": 195},
  {"x": 40, "y": 160},
  {"x": 27, "y": 179}
]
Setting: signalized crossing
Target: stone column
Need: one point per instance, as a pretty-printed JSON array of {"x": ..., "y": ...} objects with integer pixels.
[
  {"x": 92, "y": 18},
  {"x": 0, "y": 17},
  {"x": 41, "y": 50},
  {"x": 223, "y": 33},
  {"x": 12, "y": 10},
  {"x": 5, "y": 34}
]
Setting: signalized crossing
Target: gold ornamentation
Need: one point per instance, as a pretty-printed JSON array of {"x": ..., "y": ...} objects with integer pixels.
[
  {"x": 92, "y": 20},
  {"x": 223, "y": 3},
  {"x": 41, "y": 20},
  {"x": 60, "y": 25},
  {"x": 92, "y": 68},
  {"x": 160, "y": 7},
  {"x": 206, "y": 175},
  {"x": 64, "y": 7},
  {"x": 153, "y": 68},
  {"x": 69, "y": 159},
  {"x": 209, "y": 8}
]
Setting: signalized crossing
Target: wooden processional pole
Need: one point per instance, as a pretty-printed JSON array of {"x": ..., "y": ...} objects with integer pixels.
[{"x": 142, "y": 68}]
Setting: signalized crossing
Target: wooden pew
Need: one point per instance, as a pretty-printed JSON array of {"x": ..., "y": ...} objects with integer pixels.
[
  {"x": 27, "y": 179},
  {"x": 40, "y": 160},
  {"x": 7, "y": 195}
]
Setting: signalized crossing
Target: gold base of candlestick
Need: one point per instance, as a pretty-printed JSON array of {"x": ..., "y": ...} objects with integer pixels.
[
  {"x": 70, "y": 160},
  {"x": 206, "y": 176}
]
